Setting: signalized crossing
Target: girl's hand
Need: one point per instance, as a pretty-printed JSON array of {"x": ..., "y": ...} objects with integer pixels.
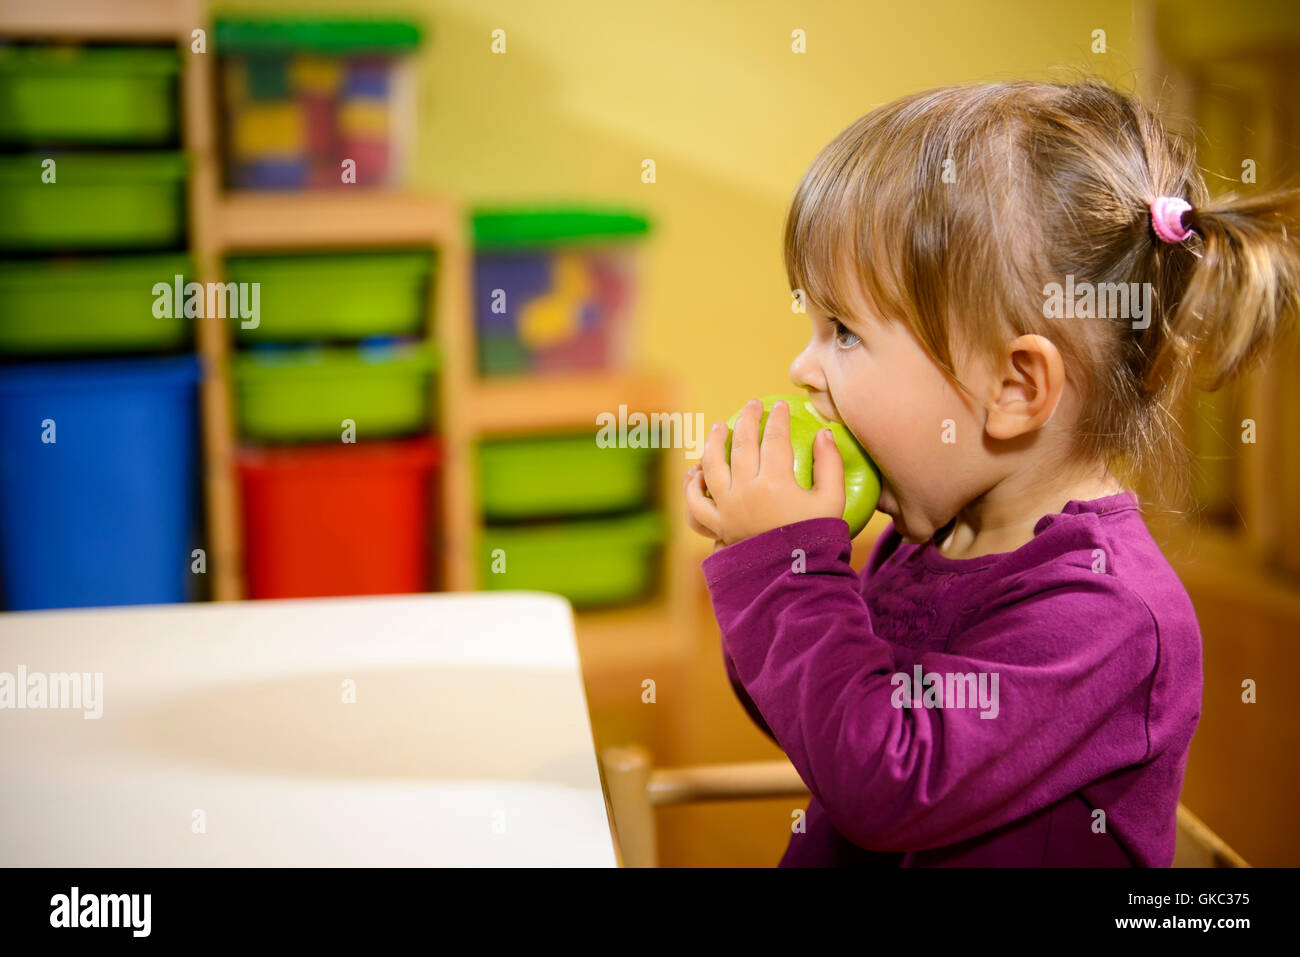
[{"x": 757, "y": 492}]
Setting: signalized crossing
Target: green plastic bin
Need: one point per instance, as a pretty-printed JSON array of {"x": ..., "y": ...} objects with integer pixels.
[
  {"x": 88, "y": 96},
  {"x": 335, "y": 36},
  {"x": 335, "y": 296},
  {"x": 561, "y": 475},
  {"x": 96, "y": 201},
  {"x": 50, "y": 306},
  {"x": 306, "y": 394},
  {"x": 591, "y": 562}
]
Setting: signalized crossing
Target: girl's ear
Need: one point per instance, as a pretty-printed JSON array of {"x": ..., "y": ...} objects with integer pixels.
[{"x": 1030, "y": 379}]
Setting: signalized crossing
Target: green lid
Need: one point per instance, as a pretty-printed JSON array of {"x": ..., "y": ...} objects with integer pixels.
[
  {"x": 553, "y": 226},
  {"x": 90, "y": 61},
  {"x": 102, "y": 168},
  {"x": 333, "y": 36}
]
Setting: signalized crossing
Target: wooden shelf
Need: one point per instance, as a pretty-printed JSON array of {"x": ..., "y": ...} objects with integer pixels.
[
  {"x": 536, "y": 403},
  {"x": 335, "y": 218},
  {"x": 98, "y": 19}
]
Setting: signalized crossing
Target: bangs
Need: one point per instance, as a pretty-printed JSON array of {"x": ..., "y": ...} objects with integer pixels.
[
  {"x": 835, "y": 224},
  {"x": 871, "y": 221}
]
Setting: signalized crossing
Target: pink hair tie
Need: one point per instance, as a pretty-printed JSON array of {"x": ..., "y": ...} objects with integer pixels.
[{"x": 1167, "y": 218}]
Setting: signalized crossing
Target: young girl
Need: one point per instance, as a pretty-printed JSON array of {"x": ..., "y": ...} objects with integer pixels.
[{"x": 1015, "y": 676}]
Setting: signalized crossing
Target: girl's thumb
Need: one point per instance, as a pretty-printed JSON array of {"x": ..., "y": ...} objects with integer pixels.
[{"x": 828, "y": 466}]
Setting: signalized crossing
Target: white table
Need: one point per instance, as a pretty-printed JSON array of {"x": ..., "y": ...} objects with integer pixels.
[{"x": 225, "y": 738}]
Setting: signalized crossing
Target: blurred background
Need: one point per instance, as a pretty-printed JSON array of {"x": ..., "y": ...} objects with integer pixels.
[{"x": 329, "y": 298}]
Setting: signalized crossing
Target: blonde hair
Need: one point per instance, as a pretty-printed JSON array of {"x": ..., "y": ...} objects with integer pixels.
[{"x": 1048, "y": 180}]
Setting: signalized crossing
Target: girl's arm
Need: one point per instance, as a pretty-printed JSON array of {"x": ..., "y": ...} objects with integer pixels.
[
  {"x": 883, "y": 547},
  {"x": 1075, "y": 656}
]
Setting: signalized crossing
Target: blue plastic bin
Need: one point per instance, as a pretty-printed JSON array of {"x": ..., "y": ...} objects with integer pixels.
[{"x": 104, "y": 515}]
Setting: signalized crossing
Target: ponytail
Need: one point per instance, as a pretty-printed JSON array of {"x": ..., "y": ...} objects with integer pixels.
[{"x": 1242, "y": 291}]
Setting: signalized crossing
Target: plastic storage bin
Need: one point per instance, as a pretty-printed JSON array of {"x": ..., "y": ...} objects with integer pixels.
[
  {"x": 338, "y": 519},
  {"x": 96, "y": 201},
  {"x": 553, "y": 288},
  {"x": 561, "y": 475},
  {"x": 88, "y": 96},
  {"x": 592, "y": 562},
  {"x": 302, "y": 97},
  {"x": 335, "y": 296},
  {"x": 72, "y": 305},
  {"x": 305, "y": 394},
  {"x": 104, "y": 513}
]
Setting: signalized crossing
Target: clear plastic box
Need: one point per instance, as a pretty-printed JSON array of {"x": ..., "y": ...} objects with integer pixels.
[
  {"x": 555, "y": 289},
  {"x": 317, "y": 103}
]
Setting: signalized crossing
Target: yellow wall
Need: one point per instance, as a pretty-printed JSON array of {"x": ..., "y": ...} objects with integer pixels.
[{"x": 712, "y": 92}]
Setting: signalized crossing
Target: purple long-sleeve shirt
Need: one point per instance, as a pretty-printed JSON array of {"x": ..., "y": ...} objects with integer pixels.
[{"x": 1097, "y": 654}]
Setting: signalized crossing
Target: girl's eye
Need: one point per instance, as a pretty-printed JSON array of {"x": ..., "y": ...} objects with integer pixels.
[{"x": 845, "y": 337}]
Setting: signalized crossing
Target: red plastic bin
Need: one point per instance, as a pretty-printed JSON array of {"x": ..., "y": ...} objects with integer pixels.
[{"x": 338, "y": 519}]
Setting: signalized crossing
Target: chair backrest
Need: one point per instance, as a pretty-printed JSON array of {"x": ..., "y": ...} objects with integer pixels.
[{"x": 635, "y": 788}]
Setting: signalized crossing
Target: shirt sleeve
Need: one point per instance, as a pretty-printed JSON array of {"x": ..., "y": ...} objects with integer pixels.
[
  {"x": 746, "y": 701},
  {"x": 884, "y": 544},
  {"x": 1074, "y": 654}
]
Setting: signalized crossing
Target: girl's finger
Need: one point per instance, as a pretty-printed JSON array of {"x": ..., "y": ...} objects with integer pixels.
[
  {"x": 717, "y": 474},
  {"x": 828, "y": 468},
  {"x": 778, "y": 455},
  {"x": 744, "y": 441}
]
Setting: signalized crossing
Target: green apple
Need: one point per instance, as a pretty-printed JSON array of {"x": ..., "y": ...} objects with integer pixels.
[{"x": 861, "y": 479}]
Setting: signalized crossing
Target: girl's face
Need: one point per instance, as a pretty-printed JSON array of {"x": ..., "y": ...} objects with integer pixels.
[{"x": 923, "y": 433}]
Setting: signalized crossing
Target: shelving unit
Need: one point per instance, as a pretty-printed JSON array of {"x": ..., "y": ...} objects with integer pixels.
[
  {"x": 635, "y": 641},
  {"x": 300, "y": 221}
]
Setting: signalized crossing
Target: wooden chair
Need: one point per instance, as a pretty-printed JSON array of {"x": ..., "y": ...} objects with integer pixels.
[
  {"x": 634, "y": 789},
  {"x": 1198, "y": 846}
]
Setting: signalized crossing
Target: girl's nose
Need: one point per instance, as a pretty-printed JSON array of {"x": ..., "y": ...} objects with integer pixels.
[{"x": 806, "y": 372}]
